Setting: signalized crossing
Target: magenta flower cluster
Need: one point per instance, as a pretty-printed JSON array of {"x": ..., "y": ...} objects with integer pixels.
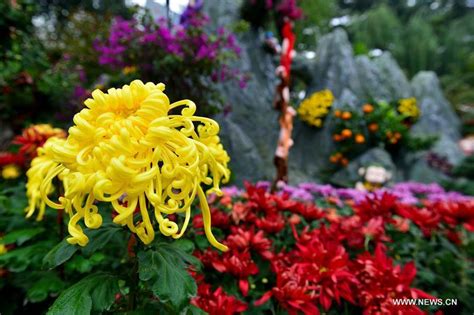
[
  {"x": 406, "y": 192},
  {"x": 141, "y": 44}
]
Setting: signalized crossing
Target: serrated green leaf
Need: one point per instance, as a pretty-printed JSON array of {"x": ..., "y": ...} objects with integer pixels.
[
  {"x": 21, "y": 236},
  {"x": 185, "y": 245},
  {"x": 59, "y": 254},
  {"x": 99, "y": 238},
  {"x": 182, "y": 249},
  {"x": 165, "y": 271},
  {"x": 95, "y": 292}
]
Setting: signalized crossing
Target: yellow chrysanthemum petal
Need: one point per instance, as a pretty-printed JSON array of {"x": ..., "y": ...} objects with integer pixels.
[{"x": 133, "y": 149}]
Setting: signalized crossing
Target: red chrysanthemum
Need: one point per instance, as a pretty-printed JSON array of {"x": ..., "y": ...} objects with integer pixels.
[
  {"x": 425, "y": 218},
  {"x": 384, "y": 206},
  {"x": 238, "y": 264},
  {"x": 34, "y": 137},
  {"x": 219, "y": 219},
  {"x": 292, "y": 293},
  {"x": 456, "y": 213},
  {"x": 217, "y": 302},
  {"x": 272, "y": 223},
  {"x": 7, "y": 158},
  {"x": 380, "y": 282},
  {"x": 244, "y": 240}
]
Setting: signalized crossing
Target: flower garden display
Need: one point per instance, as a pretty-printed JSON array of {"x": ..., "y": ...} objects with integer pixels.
[
  {"x": 123, "y": 195},
  {"x": 345, "y": 258}
]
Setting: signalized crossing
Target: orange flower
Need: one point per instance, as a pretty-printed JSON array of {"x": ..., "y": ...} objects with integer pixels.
[
  {"x": 346, "y": 115},
  {"x": 337, "y": 113},
  {"x": 367, "y": 108},
  {"x": 373, "y": 127},
  {"x": 344, "y": 161},
  {"x": 335, "y": 157},
  {"x": 359, "y": 138},
  {"x": 346, "y": 133},
  {"x": 397, "y": 135},
  {"x": 337, "y": 137}
]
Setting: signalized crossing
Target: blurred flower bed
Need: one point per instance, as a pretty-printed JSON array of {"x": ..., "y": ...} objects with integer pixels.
[
  {"x": 315, "y": 248},
  {"x": 306, "y": 249}
]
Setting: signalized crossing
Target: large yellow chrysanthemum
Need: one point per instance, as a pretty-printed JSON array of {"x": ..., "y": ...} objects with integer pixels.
[{"x": 131, "y": 148}]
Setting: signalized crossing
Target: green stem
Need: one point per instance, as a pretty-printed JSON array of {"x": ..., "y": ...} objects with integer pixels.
[{"x": 133, "y": 293}]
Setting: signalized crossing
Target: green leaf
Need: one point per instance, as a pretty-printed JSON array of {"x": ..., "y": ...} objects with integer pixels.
[
  {"x": 19, "y": 259},
  {"x": 21, "y": 236},
  {"x": 95, "y": 292},
  {"x": 83, "y": 265},
  {"x": 59, "y": 254},
  {"x": 48, "y": 283},
  {"x": 194, "y": 310},
  {"x": 165, "y": 270},
  {"x": 99, "y": 238}
]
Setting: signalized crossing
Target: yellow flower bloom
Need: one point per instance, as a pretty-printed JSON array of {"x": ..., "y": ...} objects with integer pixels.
[
  {"x": 409, "y": 107},
  {"x": 314, "y": 108},
  {"x": 10, "y": 171},
  {"x": 129, "y": 70},
  {"x": 3, "y": 249},
  {"x": 131, "y": 148}
]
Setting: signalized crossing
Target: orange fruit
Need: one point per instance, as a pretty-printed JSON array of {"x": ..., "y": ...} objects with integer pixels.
[
  {"x": 359, "y": 138},
  {"x": 337, "y": 113},
  {"x": 373, "y": 127},
  {"x": 344, "y": 162},
  {"x": 367, "y": 108},
  {"x": 346, "y": 133},
  {"x": 346, "y": 115},
  {"x": 336, "y": 137}
]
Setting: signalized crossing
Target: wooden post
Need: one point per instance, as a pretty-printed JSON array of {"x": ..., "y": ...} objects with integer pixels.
[{"x": 282, "y": 104}]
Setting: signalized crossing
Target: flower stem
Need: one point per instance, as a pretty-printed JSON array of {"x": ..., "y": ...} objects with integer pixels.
[{"x": 132, "y": 295}]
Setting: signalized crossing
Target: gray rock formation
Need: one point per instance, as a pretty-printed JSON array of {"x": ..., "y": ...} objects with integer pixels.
[
  {"x": 437, "y": 119},
  {"x": 249, "y": 131}
]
